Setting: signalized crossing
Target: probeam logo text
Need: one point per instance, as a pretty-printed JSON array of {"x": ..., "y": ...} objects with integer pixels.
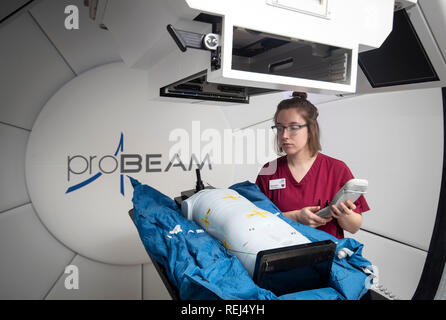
[{"x": 97, "y": 166}]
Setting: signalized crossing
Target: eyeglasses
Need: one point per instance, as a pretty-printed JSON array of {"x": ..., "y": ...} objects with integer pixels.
[{"x": 292, "y": 129}]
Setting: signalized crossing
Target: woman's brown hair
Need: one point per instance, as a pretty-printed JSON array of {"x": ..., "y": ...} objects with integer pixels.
[{"x": 309, "y": 112}]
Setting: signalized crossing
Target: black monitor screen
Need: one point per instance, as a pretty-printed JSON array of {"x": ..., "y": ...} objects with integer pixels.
[
  {"x": 401, "y": 59},
  {"x": 295, "y": 268}
]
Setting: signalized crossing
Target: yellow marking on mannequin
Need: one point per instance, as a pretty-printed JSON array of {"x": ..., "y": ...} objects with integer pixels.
[
  {"x": 206, "y": 220},
  {"x": 231, "y": 197},
  {"x": 226, "y": 244},
  {"x": 260, "y": 213}
]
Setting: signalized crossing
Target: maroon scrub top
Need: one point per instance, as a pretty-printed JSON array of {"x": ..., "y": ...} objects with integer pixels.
[{"x": 324, "y": 179}]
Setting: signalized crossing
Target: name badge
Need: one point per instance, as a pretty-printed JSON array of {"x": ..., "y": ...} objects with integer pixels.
[{"x": 277, "y": 184}]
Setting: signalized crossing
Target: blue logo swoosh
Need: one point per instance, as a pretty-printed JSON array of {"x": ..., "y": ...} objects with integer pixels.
[{"x": 82, "y": 184}]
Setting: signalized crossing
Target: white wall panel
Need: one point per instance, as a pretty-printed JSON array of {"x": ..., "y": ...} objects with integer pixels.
[
  {"x": 31, "y": 70},
  {"x": 9, "y": 6},
  {"x": 153, "y": 286},
  {"x": 256, "y": 151},
  {"x": 31, "y": 260},
  {"x": 435, "y": 12},
  {"x": 87, "y": 47},
  {"x": 99, "y": 281},
  {"x": 441, "y": 291},
  {"x": 399, "y": 266},
  {"x": 260, "y": 108},
  {"x": 13, "y": 191},
  {"x": 395, "y": 140}
]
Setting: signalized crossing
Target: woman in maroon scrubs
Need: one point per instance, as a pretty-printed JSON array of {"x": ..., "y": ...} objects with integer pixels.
[{"x": 304, "y": 180}]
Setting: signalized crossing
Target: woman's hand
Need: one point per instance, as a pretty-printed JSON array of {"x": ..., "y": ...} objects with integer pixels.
[
  {"x": 307, "y": 216},
  {"x": 346, "y": 217},
  {"x": 344, "y": 210}
]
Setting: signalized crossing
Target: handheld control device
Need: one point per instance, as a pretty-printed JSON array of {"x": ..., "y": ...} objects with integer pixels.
[{"x": 352, "y": 190}]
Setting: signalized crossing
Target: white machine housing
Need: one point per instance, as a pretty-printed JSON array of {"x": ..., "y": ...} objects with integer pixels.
[
  {"x": 243, "y": 228},
  {"x": 318, "y": 52}
]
